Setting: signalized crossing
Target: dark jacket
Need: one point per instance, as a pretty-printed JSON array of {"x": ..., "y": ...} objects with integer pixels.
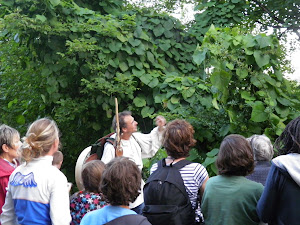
[
  {"x": 260, "y": 172},
  {"x": 280, "y": 201}
]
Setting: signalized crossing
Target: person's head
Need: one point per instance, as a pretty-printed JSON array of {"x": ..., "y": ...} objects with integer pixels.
[
  {"x": 235, "y": 156},
  {"x": 289, "y": 140},
  {"x": 262, "y": 147},
  {"x": 178, "y": 138},
  {"x": 42, "y": 138},
  {"x": 58, "y": 159},
  {"x": 126, "y": 122},
  {"x": 121, "y": 181},
  {"x": 92, "y": 174},
  {"x": 9, "y": 142}
]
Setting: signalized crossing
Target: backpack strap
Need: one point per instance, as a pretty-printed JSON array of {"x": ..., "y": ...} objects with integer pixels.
[
  {"x": 100, "y": 151},
  {"x": 133, "y": 219},
  {"x": 178, "y": 165}
]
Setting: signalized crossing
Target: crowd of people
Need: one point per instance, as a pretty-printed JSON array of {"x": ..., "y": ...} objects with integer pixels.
[{"x": 251, "y": 187}]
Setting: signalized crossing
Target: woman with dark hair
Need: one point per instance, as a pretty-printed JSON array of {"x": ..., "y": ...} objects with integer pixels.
[
  {"x": 90, "y": 198},
  {"x": 120, "y": 185},
  {"x": 279, "y": 203},
  {"x": 230, "y": 198},
  {"x": 178, "y": 139}
]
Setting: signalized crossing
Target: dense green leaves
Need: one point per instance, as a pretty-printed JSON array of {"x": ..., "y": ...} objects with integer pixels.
[{"x": 68, "y": 60}]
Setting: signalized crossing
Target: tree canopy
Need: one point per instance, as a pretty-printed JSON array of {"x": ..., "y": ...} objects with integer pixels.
[{"x": 67, "y": 60}]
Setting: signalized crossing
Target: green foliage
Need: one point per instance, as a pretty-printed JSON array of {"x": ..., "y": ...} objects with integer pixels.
[
  {"x": 247, "y": 78},
  {"x": 67, "y": 62},
  {"x": 282, "y": 16}
]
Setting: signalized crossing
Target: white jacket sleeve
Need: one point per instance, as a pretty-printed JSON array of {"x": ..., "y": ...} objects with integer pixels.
[
  {"x": 59, "y": 201},
  {"x": 8, "y": 216},
  {"x": 150, "y": 143},
  {"x": 108, "y": 153}
]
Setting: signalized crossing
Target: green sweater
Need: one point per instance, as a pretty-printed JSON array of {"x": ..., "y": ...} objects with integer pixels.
[{"x": 230, "y": 200}]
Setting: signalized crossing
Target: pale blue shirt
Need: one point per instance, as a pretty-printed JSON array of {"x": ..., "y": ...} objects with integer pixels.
[{"x": 105, "y": 215}]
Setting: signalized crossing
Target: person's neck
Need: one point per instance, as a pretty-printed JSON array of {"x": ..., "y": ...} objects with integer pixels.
[
  {"x": 126, "y": 136},
  {"x": 170, "y": 159},
  {"x": 6, "y": 157},
  {"x": 124, "y": 206}
]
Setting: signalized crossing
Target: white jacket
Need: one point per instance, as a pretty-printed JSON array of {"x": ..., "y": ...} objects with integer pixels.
[{"x": 37, "y": 194}]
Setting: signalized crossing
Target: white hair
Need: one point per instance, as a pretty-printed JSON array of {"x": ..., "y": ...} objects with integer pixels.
[{"x": 262, "y": 147}]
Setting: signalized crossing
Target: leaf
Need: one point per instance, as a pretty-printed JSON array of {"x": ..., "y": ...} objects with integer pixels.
[
  {"x": 263, "y": 41},
  {"x": 138, "y": 73},
  {"x": 230, "y": 66},
  {"x": 153, "y": 83},
  {"x": 121, "y": 38},
  {"x": 206, "y": 101},
  {"x": 215, "y": 104},
  {"x": 221, "y": 79},
  {"x": 209, "y": 161},
  {"x": 147, "y": 111},
  {"x": 168, "y": 25},
  {"x": 20, "y": 119},
  {"x": 249, "y": 41},
  {"x": 123, "y": 66},
  {"x": 145, "y": 79},
  {"x": 115, "y": 46},
  {"x": 9, "y": 105},
  {"x": 258, "y": 112},
  {"x": 283, "y": 111},
  {"x": 164, "y": 46},
  {"x": 284, "y": 101},
  {"x": 54, "y": 2},
  {"x": 213, "y": 152},
  {"x": 224, "y": 130},
  {"x": 274, "y": 119},
  {"x": 247, "y": 96},
  {"x": 199, "y": 56},
  {"x": 139, "y": 101},
  {"x": 175, "y": 100},
  {"x": 242, "y": 73},
  {"x": 42, "y": 18},
  {"x": 188, "y": 92},
  {"x": 140, "y": 50},
  {"x": 261, "y": 60},
  {"x": 134, "y": 42},
  {"x": 150, "y": 57},
  {"x": 158, "y": 30}
]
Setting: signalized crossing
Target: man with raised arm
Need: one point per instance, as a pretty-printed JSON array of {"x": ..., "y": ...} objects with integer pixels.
[{"x": 135, "y": 146}]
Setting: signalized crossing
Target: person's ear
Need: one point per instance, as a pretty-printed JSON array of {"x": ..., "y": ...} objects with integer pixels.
[
  {"x": 55, "y": 145},
  {"x": 5, "y": 148},
  {"x": 123, "y": 130}
]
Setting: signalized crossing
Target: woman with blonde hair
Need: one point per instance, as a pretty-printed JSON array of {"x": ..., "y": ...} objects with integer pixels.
[{"x": 37, "y": 191}]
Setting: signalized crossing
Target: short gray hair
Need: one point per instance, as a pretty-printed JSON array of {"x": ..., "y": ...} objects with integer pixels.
[
  {"x": 7, "y": 135},
  {"x": 262, "y": 147}
]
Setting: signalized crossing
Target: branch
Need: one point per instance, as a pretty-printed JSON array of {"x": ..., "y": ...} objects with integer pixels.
[{"x": 269, "y": 12}]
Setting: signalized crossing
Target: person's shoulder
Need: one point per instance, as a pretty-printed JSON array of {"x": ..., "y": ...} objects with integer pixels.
[
  {"x": 153, "y": 168},
  {"x": 252, "y": 185},
  {"x": 194, "y": 165},
  {"x": 92, "y": 216}
]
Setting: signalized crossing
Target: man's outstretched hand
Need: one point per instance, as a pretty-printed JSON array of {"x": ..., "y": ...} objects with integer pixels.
[{"x": 160, "y": 121}]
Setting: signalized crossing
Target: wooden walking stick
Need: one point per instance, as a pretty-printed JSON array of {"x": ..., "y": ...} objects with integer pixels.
[{"x": 119, "y": 150}]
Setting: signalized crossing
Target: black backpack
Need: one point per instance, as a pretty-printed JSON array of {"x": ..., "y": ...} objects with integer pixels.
[
  {"x": 98, "y": 148},
  {"x": 165, "y": 196}
]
